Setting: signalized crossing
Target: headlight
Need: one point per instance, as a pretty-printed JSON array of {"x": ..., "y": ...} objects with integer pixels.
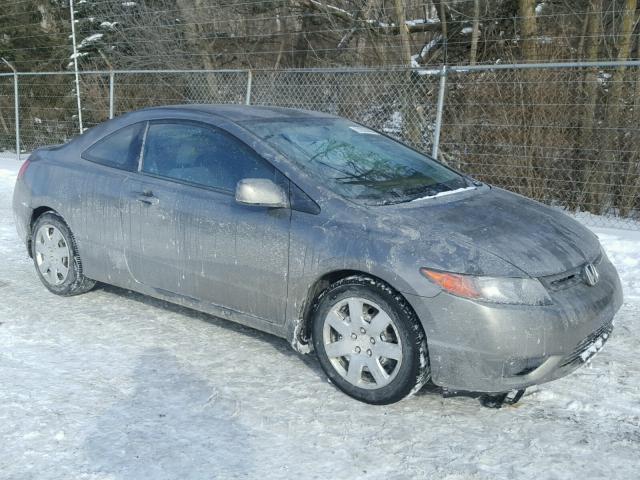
[{"x": 518, "y": 291}]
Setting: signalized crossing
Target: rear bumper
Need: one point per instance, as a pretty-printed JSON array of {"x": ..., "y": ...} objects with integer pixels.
[
  {"x": 22, "y": 210},
  {"x": 496, "y": 348}
]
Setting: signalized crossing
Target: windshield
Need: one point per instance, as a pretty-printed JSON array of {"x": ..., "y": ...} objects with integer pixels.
[{"x": 357, "y": 162}]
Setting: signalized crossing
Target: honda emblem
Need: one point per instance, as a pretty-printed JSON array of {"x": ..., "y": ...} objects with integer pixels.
[{"x": 590, "y": 274}]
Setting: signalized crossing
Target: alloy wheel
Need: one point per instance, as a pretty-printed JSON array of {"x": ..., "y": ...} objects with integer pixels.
[
  {"x": 52, "y": 253},
  {"x": 362, "y": 343}
]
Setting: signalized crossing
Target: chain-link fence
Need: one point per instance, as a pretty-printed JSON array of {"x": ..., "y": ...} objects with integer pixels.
[{"x": 564, "y": 134}]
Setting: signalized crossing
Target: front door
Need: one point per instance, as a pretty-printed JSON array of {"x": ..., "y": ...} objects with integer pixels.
[{"x": 187, "y": 234}]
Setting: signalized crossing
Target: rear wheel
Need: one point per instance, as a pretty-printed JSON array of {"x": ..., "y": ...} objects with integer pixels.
[
  {"x": 369, "y": 341},
  {"x": 56, "y": 258}
]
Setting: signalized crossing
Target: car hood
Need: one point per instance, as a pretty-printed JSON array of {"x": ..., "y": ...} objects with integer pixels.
[{"x": 492, "y": 228}]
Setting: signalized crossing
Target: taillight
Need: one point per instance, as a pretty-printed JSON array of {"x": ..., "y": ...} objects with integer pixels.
[{"x": 23, "y": 169}]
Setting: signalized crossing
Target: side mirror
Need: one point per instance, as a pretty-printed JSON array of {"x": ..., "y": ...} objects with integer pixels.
[{"x": 261, "y": 192}]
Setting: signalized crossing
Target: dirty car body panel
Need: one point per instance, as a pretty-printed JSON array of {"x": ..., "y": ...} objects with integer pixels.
[{"x": 263, "y": 267}]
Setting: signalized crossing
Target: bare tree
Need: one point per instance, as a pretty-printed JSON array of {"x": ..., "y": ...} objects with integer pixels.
[
  {"x": 616, "y": 115},
  {"x": 401, "y": 21},
  {"x": 594, "y": 30},
  {"x": 624, "y": 48},
  {"x": 589, "y": 136},
  {"x": 475, "y": 34},
  {"x": 528, "y": 28}
]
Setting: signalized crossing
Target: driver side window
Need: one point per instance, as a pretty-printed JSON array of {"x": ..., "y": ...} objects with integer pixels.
[{"x": 201, "y": 155}]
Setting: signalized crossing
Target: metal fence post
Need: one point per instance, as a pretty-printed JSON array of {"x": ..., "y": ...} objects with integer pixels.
[
  {"x": 247, "y": 100},
  {"x": 111, "y": 91},
  {"x": 75, "y": 63},
  {"x": 16, "y": 106},
  {"x": 441, "y": 95}
]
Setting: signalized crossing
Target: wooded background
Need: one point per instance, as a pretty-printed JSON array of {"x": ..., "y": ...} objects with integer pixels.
[
  {"x": 212, "y": 34},
  {"x": 564, "y": 136}
]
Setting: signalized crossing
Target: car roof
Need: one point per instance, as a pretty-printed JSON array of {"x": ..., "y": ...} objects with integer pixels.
[{"x": 242, "y": 113}]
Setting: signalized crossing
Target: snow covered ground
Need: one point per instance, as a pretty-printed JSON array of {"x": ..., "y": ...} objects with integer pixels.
[{"x": 114, "y": 385}]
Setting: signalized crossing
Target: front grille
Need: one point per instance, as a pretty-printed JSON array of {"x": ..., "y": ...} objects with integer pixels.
[
  {"x": 568, "y": 279},
  {"x": 601, "y": 333}
]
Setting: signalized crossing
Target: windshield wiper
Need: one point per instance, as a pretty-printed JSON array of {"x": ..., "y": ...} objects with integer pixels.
[
  {"x": 426, "y": 190},
  {"x": 473, "y": 181}
]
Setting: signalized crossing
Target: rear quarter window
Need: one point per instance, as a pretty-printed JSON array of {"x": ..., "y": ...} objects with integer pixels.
[{"x": 120, "y": 149}]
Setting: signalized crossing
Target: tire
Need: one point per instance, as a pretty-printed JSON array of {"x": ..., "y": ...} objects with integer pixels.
[
  {"x": 387, "y": 325},
  {"x": 55, "y": 257}
]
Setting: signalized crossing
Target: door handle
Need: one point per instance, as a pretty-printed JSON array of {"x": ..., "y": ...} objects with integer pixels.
[{"x": 147, "y": 197}]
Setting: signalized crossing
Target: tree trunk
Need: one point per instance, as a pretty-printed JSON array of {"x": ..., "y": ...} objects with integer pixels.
[
  {"x": 475, "y": 35},
  {"x": 281, "y": 20},
  {"x": 594, "y": 32},
  {"x": 193, "y": 35},
  {"x": 528, "y": 28},
  {"x": 301, "y": 47},
  {"x": 630, "y": 188},
  {"x": 617, "y": 172},
  {"x": 192, "y": 21},
  {"x": 624, "y": 48},
  {"x": 3, "y": 123},
  {"x": 409, "y": 112},
  {"x": 47, "y": 20},
  {"x": 583, "y": 33},
  {"x": 441, "y": 6},
  {"x": 588, "y": 167},
  {"x": 405, "y": 39}
]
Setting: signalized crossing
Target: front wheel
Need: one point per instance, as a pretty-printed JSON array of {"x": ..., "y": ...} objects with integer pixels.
[
  {"x": 56, "y": 258},
  {"x": 369, "y": 341}
]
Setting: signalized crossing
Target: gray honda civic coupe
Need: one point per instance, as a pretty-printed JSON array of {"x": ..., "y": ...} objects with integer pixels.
[{"x": 394, "y": 268}]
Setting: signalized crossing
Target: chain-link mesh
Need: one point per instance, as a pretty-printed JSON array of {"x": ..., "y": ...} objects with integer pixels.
[
  {"x": 94, "y": 92},
  {"x": 48, "y": 113},
  {"x": 398, "y": 102},
  {"x": 138, "y": 90},
  {"x": 49, "y": 110},
  {"x": 565, "y": 136},
  {"x": 7, "y": 114}
]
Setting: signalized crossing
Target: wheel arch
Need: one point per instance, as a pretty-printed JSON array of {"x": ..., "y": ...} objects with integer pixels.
[
  {"x": 35, "y": 214},
  {"x": 301, "y": 340}
]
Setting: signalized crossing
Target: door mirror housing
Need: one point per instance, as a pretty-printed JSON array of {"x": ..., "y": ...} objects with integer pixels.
[{"x": 261, "y": 192}]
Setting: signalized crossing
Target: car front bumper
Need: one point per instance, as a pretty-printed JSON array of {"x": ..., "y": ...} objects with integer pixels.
[{"x": 495, "y": 348}]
